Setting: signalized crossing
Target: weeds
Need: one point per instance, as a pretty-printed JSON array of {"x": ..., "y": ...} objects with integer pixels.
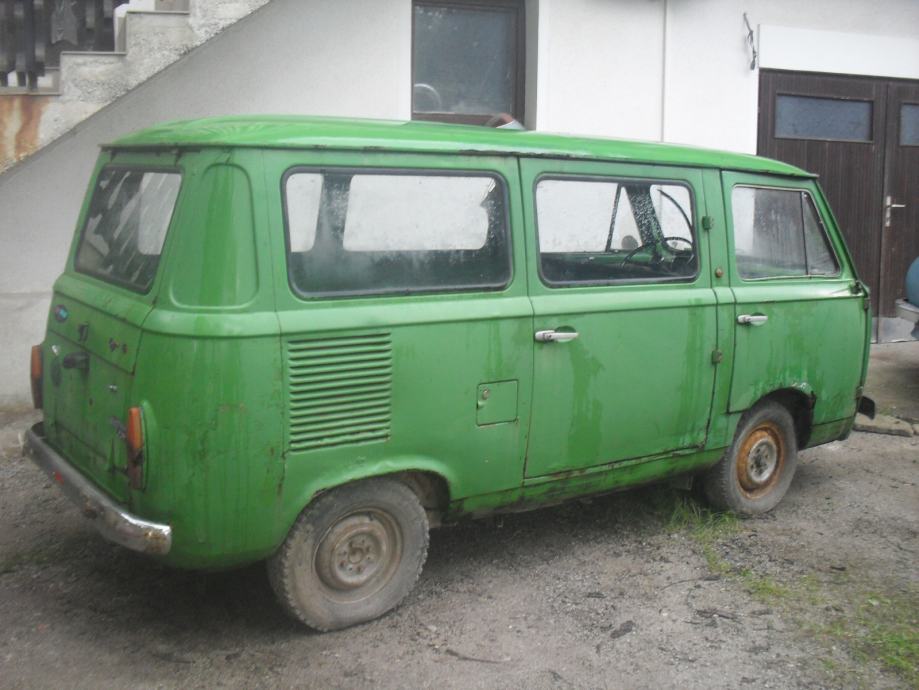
[{"x": 870, "y": 625}]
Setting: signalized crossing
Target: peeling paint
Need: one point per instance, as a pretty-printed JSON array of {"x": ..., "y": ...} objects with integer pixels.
[{"x": 20, "y": 120}]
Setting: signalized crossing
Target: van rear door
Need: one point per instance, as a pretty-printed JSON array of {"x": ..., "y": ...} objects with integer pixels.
[{"x": 98, "y": 308}]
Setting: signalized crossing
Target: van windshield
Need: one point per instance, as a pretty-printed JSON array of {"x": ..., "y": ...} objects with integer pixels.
[{"x": 126, "y": 226}]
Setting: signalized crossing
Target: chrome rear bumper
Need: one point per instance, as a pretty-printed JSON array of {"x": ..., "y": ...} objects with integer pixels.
[{"x": 113, "y": 521}]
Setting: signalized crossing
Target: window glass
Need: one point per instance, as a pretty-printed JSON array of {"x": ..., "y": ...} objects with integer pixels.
[
  {"x": 444, "y": 213},
  {"x": 836, "y": 119},
  {"x": 374, "y": 232},
  {"x": 909, "y": 124},
  {"x": 465, "y": 59},
  {"x": 821, "y": 261},
  {"x": 126, "y": 226},
  {"x": 599, "y": 231},
  {"x": 303, "y": 190},
  {"x": 777, "y": 233}
]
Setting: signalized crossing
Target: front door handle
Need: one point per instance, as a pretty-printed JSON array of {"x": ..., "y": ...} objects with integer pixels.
[
  {"x": 752, "y": 319},
  {"x": 555, "y": 336}
]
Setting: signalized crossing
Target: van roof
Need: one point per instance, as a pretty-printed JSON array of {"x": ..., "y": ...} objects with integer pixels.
[{"x": 303, "y": 132}]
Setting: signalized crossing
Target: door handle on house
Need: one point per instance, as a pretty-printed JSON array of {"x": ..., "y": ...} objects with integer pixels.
[
  {"x": 752, "y": 319},
  {"x": 555, "y": 336},
  {"x": 889, "y": 206}
]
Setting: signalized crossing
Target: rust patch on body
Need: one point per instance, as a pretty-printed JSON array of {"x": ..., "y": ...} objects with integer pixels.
[{"x": 20, "y": 124}]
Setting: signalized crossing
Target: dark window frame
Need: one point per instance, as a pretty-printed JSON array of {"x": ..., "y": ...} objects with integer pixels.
[
  {"x": 391, "y": 292},
  {"x": 126, "y": 285},
  {"x": 903, "y": 105},
  {"x": 519, "y": 97},
  {"x": 567, "y": 284},
  {"x": 823, "y": 227},
  {"x": 820, "y": 97}
]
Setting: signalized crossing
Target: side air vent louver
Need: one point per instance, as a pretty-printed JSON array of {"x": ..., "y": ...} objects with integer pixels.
[{"x": 340, "y": 390}]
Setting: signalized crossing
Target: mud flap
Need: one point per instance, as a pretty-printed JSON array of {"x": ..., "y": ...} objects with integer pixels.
[{"x": 867, "y": 407}]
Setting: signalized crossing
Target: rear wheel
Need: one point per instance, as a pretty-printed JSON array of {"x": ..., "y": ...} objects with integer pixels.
[
  {"x": 352, "y": 555},
  {"x": 757, "y": 469}
]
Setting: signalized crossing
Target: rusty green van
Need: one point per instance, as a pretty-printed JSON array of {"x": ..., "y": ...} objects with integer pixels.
[{"x": 309, "y": 340}]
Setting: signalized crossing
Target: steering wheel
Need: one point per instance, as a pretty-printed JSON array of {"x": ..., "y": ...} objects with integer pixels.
[
  {"x": 676, "y": 238},
  {"x": 656, "y": 244},
  {"x": 647, "y": 245}
]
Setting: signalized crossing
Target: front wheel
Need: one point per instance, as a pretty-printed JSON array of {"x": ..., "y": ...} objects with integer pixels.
[
  {"x": 756, "y": 471},
  {"x": 352, "y": 555}
]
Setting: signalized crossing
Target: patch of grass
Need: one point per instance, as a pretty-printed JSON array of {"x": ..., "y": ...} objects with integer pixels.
[
  {"x": 868, "y": 624},
  {"x": 705, "y": 525},
  {"x": 764, "y": 588},
  {"x": 881, "y": 627}
]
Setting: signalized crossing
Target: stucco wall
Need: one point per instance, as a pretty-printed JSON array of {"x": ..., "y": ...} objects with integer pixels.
[{"x": 644, "y": 69}]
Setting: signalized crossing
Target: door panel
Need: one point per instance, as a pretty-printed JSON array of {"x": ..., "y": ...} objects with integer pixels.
[
  {"x": 900, "y": 238},
  {"x": 804, "y": 332},
  {"x": 637, "y": 379}
]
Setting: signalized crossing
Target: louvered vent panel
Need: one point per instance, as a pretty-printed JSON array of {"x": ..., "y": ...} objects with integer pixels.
[{"x": 340, "y": 390}]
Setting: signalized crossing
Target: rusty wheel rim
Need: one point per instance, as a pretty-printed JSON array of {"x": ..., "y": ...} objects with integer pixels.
[
  {"x": 359, "y": 555},
  {"x": 761, "y": 460}
]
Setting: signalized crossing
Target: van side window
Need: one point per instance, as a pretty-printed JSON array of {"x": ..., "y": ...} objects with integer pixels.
[
  {"x": 778, "y": 233},
  {"x": 354, "y": 233},
  {"x": 600, "y": 231}
]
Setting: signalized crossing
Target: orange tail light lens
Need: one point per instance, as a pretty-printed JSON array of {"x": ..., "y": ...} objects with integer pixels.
[
  {"x": 135, "y": 439},
  {"x": 36, "y": 376}
]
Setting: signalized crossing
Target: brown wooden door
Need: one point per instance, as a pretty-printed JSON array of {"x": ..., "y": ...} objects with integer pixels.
[
  {"x": 900, "y": 236},
  {"x": 857, "y": 134}
]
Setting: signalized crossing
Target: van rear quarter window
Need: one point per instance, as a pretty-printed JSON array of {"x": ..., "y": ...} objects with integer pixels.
[
  {"x": 126, "y": 226},
  {"x": 376, "y": 232}
]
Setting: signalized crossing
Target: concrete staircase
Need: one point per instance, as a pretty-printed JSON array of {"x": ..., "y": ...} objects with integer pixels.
[{"x": 149, "y": 36}]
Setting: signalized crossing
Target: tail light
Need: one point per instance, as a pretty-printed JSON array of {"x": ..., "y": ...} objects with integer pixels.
[
  {"x": 134, "y": 436},
  {"x": 36, "y": 376}
]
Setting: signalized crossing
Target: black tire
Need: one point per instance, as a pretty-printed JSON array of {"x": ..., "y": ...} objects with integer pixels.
[
  {"x": 352, "y": 555},
  {"x": 756, "y": 471}
]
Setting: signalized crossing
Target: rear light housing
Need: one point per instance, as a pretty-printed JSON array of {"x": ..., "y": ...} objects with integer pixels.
[
  {"x": 35, "y": 374},
  {"x": 134, "y": 438}
]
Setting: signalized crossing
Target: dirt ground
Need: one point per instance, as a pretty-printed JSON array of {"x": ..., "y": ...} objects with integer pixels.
[{"x": 641, "y": 590}]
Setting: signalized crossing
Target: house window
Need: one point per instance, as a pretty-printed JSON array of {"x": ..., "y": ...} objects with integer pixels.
[{"x": 467, "y": 60}]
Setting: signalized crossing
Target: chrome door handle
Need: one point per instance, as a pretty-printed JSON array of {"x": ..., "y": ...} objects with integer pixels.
[
  {"x": 555, "y": 336},
  {"x": 752, "y": 319}
]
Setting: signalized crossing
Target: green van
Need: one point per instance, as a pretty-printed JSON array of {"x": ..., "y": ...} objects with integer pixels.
[{"x": 309, "y": 340}]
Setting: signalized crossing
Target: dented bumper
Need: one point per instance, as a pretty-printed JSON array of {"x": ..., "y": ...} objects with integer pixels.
[{"x": 113, "y": 521}]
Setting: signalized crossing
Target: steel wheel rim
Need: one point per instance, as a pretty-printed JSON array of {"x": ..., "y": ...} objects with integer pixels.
[
  {"x": 358, "y": 555},
  {"x": 761, "y": 460}
]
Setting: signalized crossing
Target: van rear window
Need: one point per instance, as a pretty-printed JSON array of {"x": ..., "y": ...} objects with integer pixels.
[
  {"x": 356, "y": 233},
  {"x": 126, "y": 226}
]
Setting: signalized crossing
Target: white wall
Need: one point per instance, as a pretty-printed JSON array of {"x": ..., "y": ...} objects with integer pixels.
[
  {"x": 349, "y": 57},
  {"x": 600, "y": 67},
  {"x": 712, "y": 95}
]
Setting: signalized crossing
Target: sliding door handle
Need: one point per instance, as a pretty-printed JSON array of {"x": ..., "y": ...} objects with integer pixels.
[
  {"x": 555, "y": 336},
  {"x": 752, "y": 319}
]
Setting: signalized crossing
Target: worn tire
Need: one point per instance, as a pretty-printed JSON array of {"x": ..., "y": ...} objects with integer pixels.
[
  {"x": 756, "y": 471},
  {"x": 352, "y": 555}
]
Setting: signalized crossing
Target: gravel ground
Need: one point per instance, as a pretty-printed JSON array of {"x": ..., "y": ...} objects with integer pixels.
[{"x": 642, "y": 590}]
